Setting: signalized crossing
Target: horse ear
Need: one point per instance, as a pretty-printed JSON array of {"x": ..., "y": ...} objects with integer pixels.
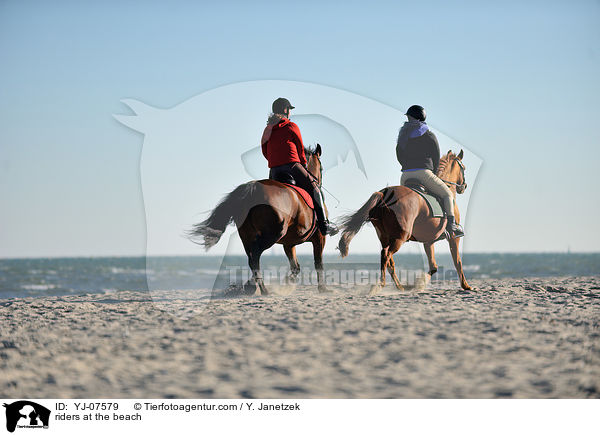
[
  {"x": 318, "y": 150},
  {"x": 460, "y": 155}
]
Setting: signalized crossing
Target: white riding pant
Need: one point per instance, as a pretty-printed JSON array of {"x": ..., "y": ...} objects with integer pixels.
[{"x": 433, "y": 184}]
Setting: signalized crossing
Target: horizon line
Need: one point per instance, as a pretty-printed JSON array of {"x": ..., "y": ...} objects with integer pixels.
[{"x": 59, "y": 257}]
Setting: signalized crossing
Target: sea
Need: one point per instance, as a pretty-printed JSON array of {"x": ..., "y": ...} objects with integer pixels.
[{"x": 38, "y": 277}]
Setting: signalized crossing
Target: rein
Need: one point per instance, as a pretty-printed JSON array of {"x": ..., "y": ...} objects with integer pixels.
[{"x": 320, "y": 184}]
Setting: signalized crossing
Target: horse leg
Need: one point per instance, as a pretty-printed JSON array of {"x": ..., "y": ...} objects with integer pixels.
[
  {"x": 254, "y": 250},
  {"x": 254, "y": 263},
  {"x": 394, "y": 247},
  {"x": 454, "y": 242},
  {"x": 384, "y": 259},
  {"x": 290, "y": 252},
  {"x": 429, "y": 251},
  {"x": 392, "y": 271},
  {"x": 392, "y": 234},
  {"x": 318, "y": 242},
  {"x": 430, "y": 257}
]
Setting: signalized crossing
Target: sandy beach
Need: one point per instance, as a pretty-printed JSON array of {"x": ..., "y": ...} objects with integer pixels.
[{"x": 512, "y": 338}]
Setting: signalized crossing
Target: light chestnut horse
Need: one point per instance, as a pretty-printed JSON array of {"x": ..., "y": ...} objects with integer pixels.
[
  {"x": 399, "y": 215},
  {"x": 268, "y": 212}
]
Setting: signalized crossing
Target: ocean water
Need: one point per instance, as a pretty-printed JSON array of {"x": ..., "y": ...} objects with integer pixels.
[{"x": 37, "y": 277}]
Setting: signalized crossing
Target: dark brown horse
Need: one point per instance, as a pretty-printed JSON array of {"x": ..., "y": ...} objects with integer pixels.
[
  {"x": 399, "y": 214},
  {"x": 268, "y": 212}
]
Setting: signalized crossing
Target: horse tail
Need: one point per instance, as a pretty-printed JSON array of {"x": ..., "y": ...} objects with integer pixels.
[
  {"x": 352, "y": 223},
  {"x": 231, "y": 208}
]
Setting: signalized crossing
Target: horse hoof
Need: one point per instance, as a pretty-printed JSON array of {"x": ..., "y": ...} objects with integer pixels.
[
  {"x": 323, "y": 289},
  {"x": 234, "y": 290},
  {"x": 293, "y": 280},
  {"x": 375, "y": 288},
  {"x": 251, "y": 288}
]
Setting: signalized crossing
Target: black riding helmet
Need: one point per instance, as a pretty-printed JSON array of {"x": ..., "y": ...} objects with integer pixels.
[
  {"x": 280, "y": 104},
  {"x": 417, "y": 112}
]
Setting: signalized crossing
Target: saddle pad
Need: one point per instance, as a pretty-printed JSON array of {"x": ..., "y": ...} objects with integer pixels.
[
  {"x": 434, "y": 205},
  {"x": 304, "y": 194}
]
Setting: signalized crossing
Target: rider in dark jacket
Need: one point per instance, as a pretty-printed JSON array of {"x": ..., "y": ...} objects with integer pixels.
[
  {"x": 282, "y": 146},
  {"x": 418, "y": 152}
]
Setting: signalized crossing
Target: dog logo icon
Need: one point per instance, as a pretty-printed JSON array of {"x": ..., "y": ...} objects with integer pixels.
[{"x": 26, "y": 414}]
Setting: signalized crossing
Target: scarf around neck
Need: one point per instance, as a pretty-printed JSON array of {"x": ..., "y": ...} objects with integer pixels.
[{"x": 410, "y": 130}]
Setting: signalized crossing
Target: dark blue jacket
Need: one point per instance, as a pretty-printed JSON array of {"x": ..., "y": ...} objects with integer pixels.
[{"x": 420, "y": 152}]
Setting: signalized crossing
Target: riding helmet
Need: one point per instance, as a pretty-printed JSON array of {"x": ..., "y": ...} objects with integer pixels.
[
  {"x": 280, "y": 104},
  {"x": 417, "y": 112}
]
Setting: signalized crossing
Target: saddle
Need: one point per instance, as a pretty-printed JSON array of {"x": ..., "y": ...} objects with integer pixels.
[
  {"x": 288, "y": 180},
  {"x": 433, "y": 201},
  {"x": 304, "y": 194}
]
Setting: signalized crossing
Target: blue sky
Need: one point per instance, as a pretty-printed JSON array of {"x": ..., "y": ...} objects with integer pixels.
[{"x": 514, "y": 82}]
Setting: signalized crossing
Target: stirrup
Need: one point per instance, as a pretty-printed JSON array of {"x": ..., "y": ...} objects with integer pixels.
[
  {"x": 452, "y": 234},
  {"x": 330, "y": 229},
  {"x": 458, "y": 235}
]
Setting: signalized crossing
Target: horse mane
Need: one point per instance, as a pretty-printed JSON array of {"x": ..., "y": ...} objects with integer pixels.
[
  {"x": 310, "y": 150},
  {"x": 444, "y": 162}
]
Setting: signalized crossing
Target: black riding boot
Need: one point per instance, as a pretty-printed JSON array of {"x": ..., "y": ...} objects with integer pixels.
[
  {"x": 454, "y": 229},
  {"x": 325, "y": 227}
]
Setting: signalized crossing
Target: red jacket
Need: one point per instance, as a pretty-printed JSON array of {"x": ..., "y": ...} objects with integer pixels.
[{"x": 282, "y": 143}]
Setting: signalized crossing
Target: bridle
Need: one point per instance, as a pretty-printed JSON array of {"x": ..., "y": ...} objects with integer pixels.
[
  {"x": 460, "y": 188},
  {"x": 319, "y": 179}
]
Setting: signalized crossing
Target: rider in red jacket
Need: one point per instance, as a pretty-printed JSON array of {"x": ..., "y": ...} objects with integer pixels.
[
  {"x": 282, "y": 146},
  {"x": 285, "y": 142}
]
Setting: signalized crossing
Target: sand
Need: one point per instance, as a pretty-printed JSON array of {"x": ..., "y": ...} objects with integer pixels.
[{"x": 513, "y": 338}]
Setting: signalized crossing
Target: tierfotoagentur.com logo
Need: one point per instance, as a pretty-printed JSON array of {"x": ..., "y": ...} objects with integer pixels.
[
  {"x": 340, "y": 275},
  {"x": 25, "y": 414}
]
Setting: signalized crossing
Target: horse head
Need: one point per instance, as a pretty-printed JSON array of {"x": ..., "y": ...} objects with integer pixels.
[
  {"x": 313, "y": 163},
  {"x": 452, "y": 170}
]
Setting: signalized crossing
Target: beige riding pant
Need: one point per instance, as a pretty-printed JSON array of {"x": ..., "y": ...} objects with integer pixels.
[{"x": 435, "y": 185}]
